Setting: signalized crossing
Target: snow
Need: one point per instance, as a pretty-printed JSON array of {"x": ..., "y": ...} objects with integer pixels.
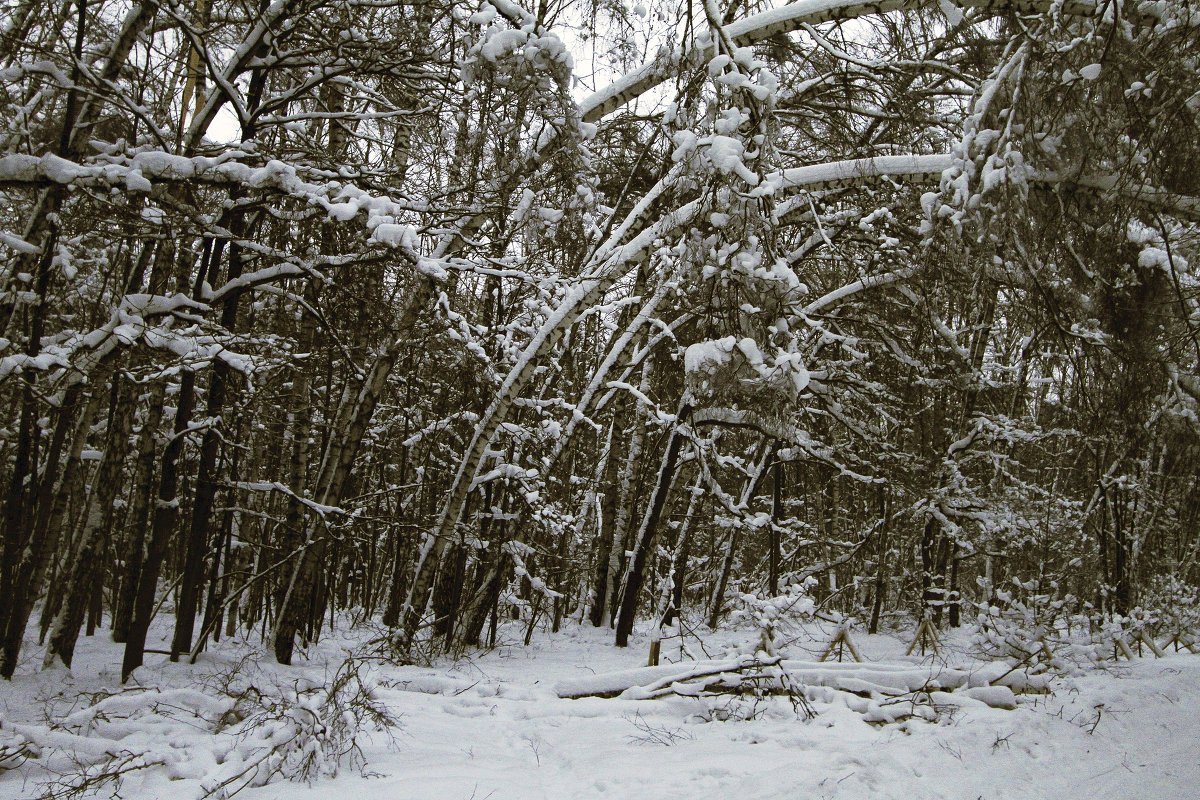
[
  {"x": 431, "y": 267},
  {"x": 501, "y": 42},
  {"x": 786, "y": 17},
  {"x": 951, "y": 12},
  {"x": 718, "y": 64},
  {"x": 59, "y": 169},
  {"x": 994, "y": 696},
  {"x": 726, "y": 154},
  {"x": 495, "y": 725},
  {"x": 135, "y": 181},
  {"x": 165, "y": 164},
  {"x": 395, "y": 235},
  {"x": 14, "y": 242},
  {"x": 855, "y": 287},
  {"x": 708, "y": 355},
  {"x": 484, "y": 16},
  {"x": 141, "y": 172},
  {"x": 685, "y": 143},
  {"x": 852, "y": 170},
  {"x": 513, "y": 11}
]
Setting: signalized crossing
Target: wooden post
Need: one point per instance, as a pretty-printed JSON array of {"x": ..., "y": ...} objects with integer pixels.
[
  {"x": 1121, "y": 647},
  {"x": 1045, "y": 648},
  {"x": 842, "y": 643},
  {"x": 926, "y": 637},
  {"x": 1180, "y": 639},
  {"x": 1143, "y": 637}
]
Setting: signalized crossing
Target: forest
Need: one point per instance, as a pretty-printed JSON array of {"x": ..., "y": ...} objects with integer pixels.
[{"x": 437, "y": 317}]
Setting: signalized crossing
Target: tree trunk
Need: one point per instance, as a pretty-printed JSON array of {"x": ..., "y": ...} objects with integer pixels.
[
  {"x": 881, "y": 569},
  {"x": 605, "y": 511},
  {"x": 672, "y": 598},
  {"x": 954, "y": 612},
  {"x": 644, "y": 543},
  {"x": 166, "y": 511},
  {"x": 197, "y": 544},
  {"x": 351, "y": 425},
  {"x": 773, "y": 533},
  {"x": 220, "y": 385},
  {"x": 133, "y": 550},
  {"x": 85, "y": 569},
  {"x": 49, "y": 509},
  {"x": 626, "y": 504},
  {"x": 717, "y": 603},
  {"x": 485, "y": 603}
]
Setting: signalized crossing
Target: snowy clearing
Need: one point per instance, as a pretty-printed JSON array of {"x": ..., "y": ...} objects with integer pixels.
[{"x": 494, "y": 726}]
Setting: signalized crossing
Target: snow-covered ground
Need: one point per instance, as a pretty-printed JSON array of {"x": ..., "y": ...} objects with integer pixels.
[{"x": 493, "y": 726}]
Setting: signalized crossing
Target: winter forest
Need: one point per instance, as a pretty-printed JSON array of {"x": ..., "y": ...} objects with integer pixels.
[{"x": 344, "y": 343}]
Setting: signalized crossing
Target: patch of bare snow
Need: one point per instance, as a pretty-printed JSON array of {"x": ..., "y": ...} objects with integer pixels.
[{"x": 493, "y": 726}]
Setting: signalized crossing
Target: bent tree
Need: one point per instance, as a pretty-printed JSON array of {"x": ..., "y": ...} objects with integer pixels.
[{"x": 318, "y": 306}]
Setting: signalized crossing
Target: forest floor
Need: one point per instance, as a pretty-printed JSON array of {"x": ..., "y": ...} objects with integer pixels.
[{"x": 492, "y": 726}]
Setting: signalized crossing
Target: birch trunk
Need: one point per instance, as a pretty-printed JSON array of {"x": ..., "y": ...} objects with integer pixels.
[
  {"x": 716, "y": 606},
  {"x": 166, "y": 511},
  {"x": 50, "y": 508},
  {"x": 645, "y": 539},
  {"x": 353, "y": 417},
  {"x": 97, "y": 531}
]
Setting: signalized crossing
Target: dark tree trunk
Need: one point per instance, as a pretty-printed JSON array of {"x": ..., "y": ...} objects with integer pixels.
[
  {"x": 133, "y": 550},
  {"x": 954, "y": 611},
  {"x": 448, "y": 591},
  {"x": 717, "y": 599},
  {"x": 398, "y": 587},
  {"x": 645, "y": 539},
  {"x": 683, "y": 544},
  {"x": 84, "y": 572},
  {"x": 604, "y": 537},
  {"x": 207, "y": 479},
  {"x": 881, "y": 569},
  {"x": 932, "y": 590},
  {"x": 49, "y": 509},
  {"x": 485, "y": 604},
  {"x": 166, "y": 511},
  {"x": 354, "y": 415},
  {"x": 773, "y": 532}
]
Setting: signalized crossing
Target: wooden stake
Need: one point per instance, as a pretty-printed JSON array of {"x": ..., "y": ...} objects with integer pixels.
[
  {"x": 1123, "y": 647},
  {"x": 926, "y": 637},
  {"x": 1179, "y": 639},
  {"x": 1142, "y": 636},
  {"x": 842, "y": 643}
]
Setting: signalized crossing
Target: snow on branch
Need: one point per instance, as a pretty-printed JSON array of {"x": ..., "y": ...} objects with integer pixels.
[
  {"x": 128, "y": 322},
  {"x": 854, "y": 287},
  {"x": 786, "y": 19},
  {"x": 878, "y": 684},
  {"x": 143, "y": 172},
  {"x": 833, "y": 174},
  {"x": 276, "y": 486}
]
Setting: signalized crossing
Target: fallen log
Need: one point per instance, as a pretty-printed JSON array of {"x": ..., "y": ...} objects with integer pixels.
[{"x": 862, "y": 679}]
